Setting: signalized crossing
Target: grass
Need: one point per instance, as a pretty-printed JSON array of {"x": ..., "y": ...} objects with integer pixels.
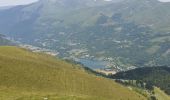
[
  {"x": 160, "y": 95},
  {"x": 34, "y": 76}
]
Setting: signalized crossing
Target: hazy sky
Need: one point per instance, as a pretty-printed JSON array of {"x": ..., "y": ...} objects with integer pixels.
[
  {"x": 165, "y": 0},
  {"x": 20, "y": 2}
]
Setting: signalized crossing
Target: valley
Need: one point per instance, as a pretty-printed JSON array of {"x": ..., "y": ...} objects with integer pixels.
[
  {"x": 85, "y": 50},
  {"x": 96, "y": 65}
]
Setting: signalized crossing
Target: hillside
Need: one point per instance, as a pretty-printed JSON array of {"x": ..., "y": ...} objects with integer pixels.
[
  {"x": 34, "y": 76},
  {"x": 124, "y": 33},
  {"x": 160, "y": 95},
  {"x": 153, "y": 76}
]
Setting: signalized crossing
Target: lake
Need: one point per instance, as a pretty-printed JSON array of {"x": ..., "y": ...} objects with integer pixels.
[{"x": 93, "y": 64}]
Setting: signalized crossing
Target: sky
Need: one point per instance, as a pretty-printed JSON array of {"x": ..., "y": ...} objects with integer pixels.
[
  {"x": 165, "y": 0},
  {"x": 21, "y": 2}
]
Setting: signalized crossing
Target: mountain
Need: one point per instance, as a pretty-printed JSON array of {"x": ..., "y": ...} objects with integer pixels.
[
  {"x": 5, "y": 7},
  {"x": 4, "y": 41},
  {"x": 36, "y": 76},
  {"x": 153, "y": 76},
  {"x": 124, "y": 33}
]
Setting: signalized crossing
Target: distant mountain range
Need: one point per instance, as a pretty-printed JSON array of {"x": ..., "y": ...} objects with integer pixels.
[{"x": 125, "y": 33}]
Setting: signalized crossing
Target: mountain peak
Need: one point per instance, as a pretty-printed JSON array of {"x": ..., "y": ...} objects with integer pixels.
[{"x": 76, "y": 3}]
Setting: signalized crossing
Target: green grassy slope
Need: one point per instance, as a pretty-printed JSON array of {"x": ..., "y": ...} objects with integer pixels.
[
  {"x": 160, "y": 95},
  {"x": 31, "y": 76}
]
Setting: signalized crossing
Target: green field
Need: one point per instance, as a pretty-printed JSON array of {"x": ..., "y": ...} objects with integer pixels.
[{"x": 34, "y": 76}]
